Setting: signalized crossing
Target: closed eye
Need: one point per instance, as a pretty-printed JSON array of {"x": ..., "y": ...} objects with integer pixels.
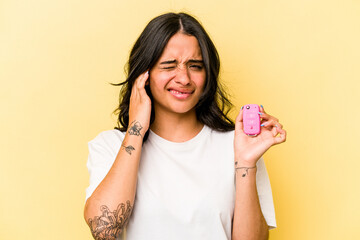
[
  {"x": 197, "y": 67},
  {"x": 170, "y": 67}
]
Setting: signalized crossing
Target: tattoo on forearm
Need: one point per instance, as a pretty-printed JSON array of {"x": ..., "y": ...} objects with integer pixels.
[
  {"x": 135, "y": 128},
  {"x": 246, "y": 169},
  {"x": 109, "y": 225},
  {"x": 128, "y": 149}
]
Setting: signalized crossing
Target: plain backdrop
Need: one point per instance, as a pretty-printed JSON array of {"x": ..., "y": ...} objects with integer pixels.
[{"x": 298, "y": 58}]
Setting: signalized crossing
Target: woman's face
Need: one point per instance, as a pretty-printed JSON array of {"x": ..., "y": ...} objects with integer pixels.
[{"x": 177, "y": 80}]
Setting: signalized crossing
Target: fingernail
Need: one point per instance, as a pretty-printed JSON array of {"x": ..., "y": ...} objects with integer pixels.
[
  {"x": 260, "y": 113},
  {"x": 262, "y": 125},
  {"x": 276, "y": 125},
  {"x": 262, "y": 107},
  {"x": 242, "y": 107}
]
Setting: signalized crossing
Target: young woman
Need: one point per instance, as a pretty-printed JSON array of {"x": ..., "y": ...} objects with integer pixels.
[{"x": 178, "y": 167}]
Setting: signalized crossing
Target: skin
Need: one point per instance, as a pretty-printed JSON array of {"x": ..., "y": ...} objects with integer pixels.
[
  {"x": 249, "y": 222},
  {"x": 179, "y": 69}
]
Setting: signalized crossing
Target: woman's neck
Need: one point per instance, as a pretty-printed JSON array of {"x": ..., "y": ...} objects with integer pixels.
[{"x": 176, "y": 127}]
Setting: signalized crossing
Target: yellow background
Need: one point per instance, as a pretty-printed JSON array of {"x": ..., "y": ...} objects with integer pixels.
[{"x": 300, "y": 59}]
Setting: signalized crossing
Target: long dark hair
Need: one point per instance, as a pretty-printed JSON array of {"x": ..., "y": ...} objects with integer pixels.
[{"x": 213, "y": 106}]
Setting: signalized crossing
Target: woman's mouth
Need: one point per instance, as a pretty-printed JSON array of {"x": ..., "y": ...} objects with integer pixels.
[{"x": 180, "y": 94}]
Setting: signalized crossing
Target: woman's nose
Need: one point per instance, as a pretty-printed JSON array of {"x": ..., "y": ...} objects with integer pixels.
[{"x": 182, "y": 76}]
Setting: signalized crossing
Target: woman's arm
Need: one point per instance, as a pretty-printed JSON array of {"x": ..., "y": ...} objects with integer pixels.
[
  {"x": 108, "y": 209},
  {"x": 248, "y": 222}
]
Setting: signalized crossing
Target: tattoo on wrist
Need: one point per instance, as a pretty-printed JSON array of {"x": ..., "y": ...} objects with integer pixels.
[
  {"x": 246, "y": 169},
  {"x": 135, "y": 128},
  {"x": 128, "y": 149},
  {"x": 110, "y": 224}
]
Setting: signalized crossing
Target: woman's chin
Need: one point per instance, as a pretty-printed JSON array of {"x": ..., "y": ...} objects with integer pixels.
[{"x": 177, "y": 109}]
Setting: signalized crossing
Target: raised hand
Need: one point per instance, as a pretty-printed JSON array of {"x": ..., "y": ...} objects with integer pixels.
[
  {"x": 140, "y": 107},
  {"x": 248, "y": 149}
]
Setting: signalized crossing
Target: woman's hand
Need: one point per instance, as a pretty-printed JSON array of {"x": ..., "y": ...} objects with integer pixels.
[
  {"x": 249, "y": 149},
  {"x": 140, "y": 107}
]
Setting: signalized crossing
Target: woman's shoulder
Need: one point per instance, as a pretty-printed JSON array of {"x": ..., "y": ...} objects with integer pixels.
[
  {"x": 220, "y": 133},
  {"x": 221, "y": 136},
  {"x": 109, "y": 139},
  {"x": 109, "y": 135}
]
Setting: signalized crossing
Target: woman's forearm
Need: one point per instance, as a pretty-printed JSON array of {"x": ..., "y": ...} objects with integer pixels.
[
  {"x": 108, "y": 209},
  {"x": 249, "y": 222}
]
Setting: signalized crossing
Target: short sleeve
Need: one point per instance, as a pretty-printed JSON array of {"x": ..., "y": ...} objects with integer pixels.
[
  {"x": 103, "y": 150},
  {"x": 265, "y": 194}
]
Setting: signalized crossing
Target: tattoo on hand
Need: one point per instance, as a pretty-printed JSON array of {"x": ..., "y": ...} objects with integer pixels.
[
  {"x": 128, "y": 149},
  {"x": 110, "y": 224},
  {"x": 135, "y": 128}
]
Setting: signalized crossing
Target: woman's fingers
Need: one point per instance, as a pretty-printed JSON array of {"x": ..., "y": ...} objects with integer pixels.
[
  {"x": 266, "y": 116},
  {"x": 282, "y": 137},
  {"x": 138, "y": 88},
  {"x": 262, "y": 109},
  {"x": 267, "y": 120},
  {"x": 271, "y": 123},
  {"x": 274, "y": 126},
  {"x": 140, "y": 82}
]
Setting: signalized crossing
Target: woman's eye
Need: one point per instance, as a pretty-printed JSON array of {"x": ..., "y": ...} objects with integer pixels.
[
  {"x": 170, "y": 67},
  {"x": 197, "y": 67}
]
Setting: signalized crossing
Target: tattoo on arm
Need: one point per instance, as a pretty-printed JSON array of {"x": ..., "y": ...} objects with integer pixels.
[
  {"x": 128, "y": 149},
  {"x": 135, "y": 128},
  {"x": 246, "y": 169},
  {"x": 109, "y": 225}
]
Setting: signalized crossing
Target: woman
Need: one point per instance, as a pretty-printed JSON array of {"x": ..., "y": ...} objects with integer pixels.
[{"x": 176, "y": 168}]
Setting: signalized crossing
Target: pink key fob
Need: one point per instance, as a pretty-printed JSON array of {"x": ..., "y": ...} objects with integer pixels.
[{"x": 251, "y": 119}]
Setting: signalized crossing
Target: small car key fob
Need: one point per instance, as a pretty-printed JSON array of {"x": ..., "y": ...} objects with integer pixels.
[{"x": 251, "y": 119}]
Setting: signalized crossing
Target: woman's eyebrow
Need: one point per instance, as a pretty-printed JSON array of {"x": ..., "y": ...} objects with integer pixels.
[
  {"x": 168, "y": 62},
  {"x": 195, "y": 61},
  {"x": 190, "y": 61}
]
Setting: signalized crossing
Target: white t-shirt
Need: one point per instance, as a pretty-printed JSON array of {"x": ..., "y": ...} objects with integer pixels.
[{"x": 184, "y": 190}]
